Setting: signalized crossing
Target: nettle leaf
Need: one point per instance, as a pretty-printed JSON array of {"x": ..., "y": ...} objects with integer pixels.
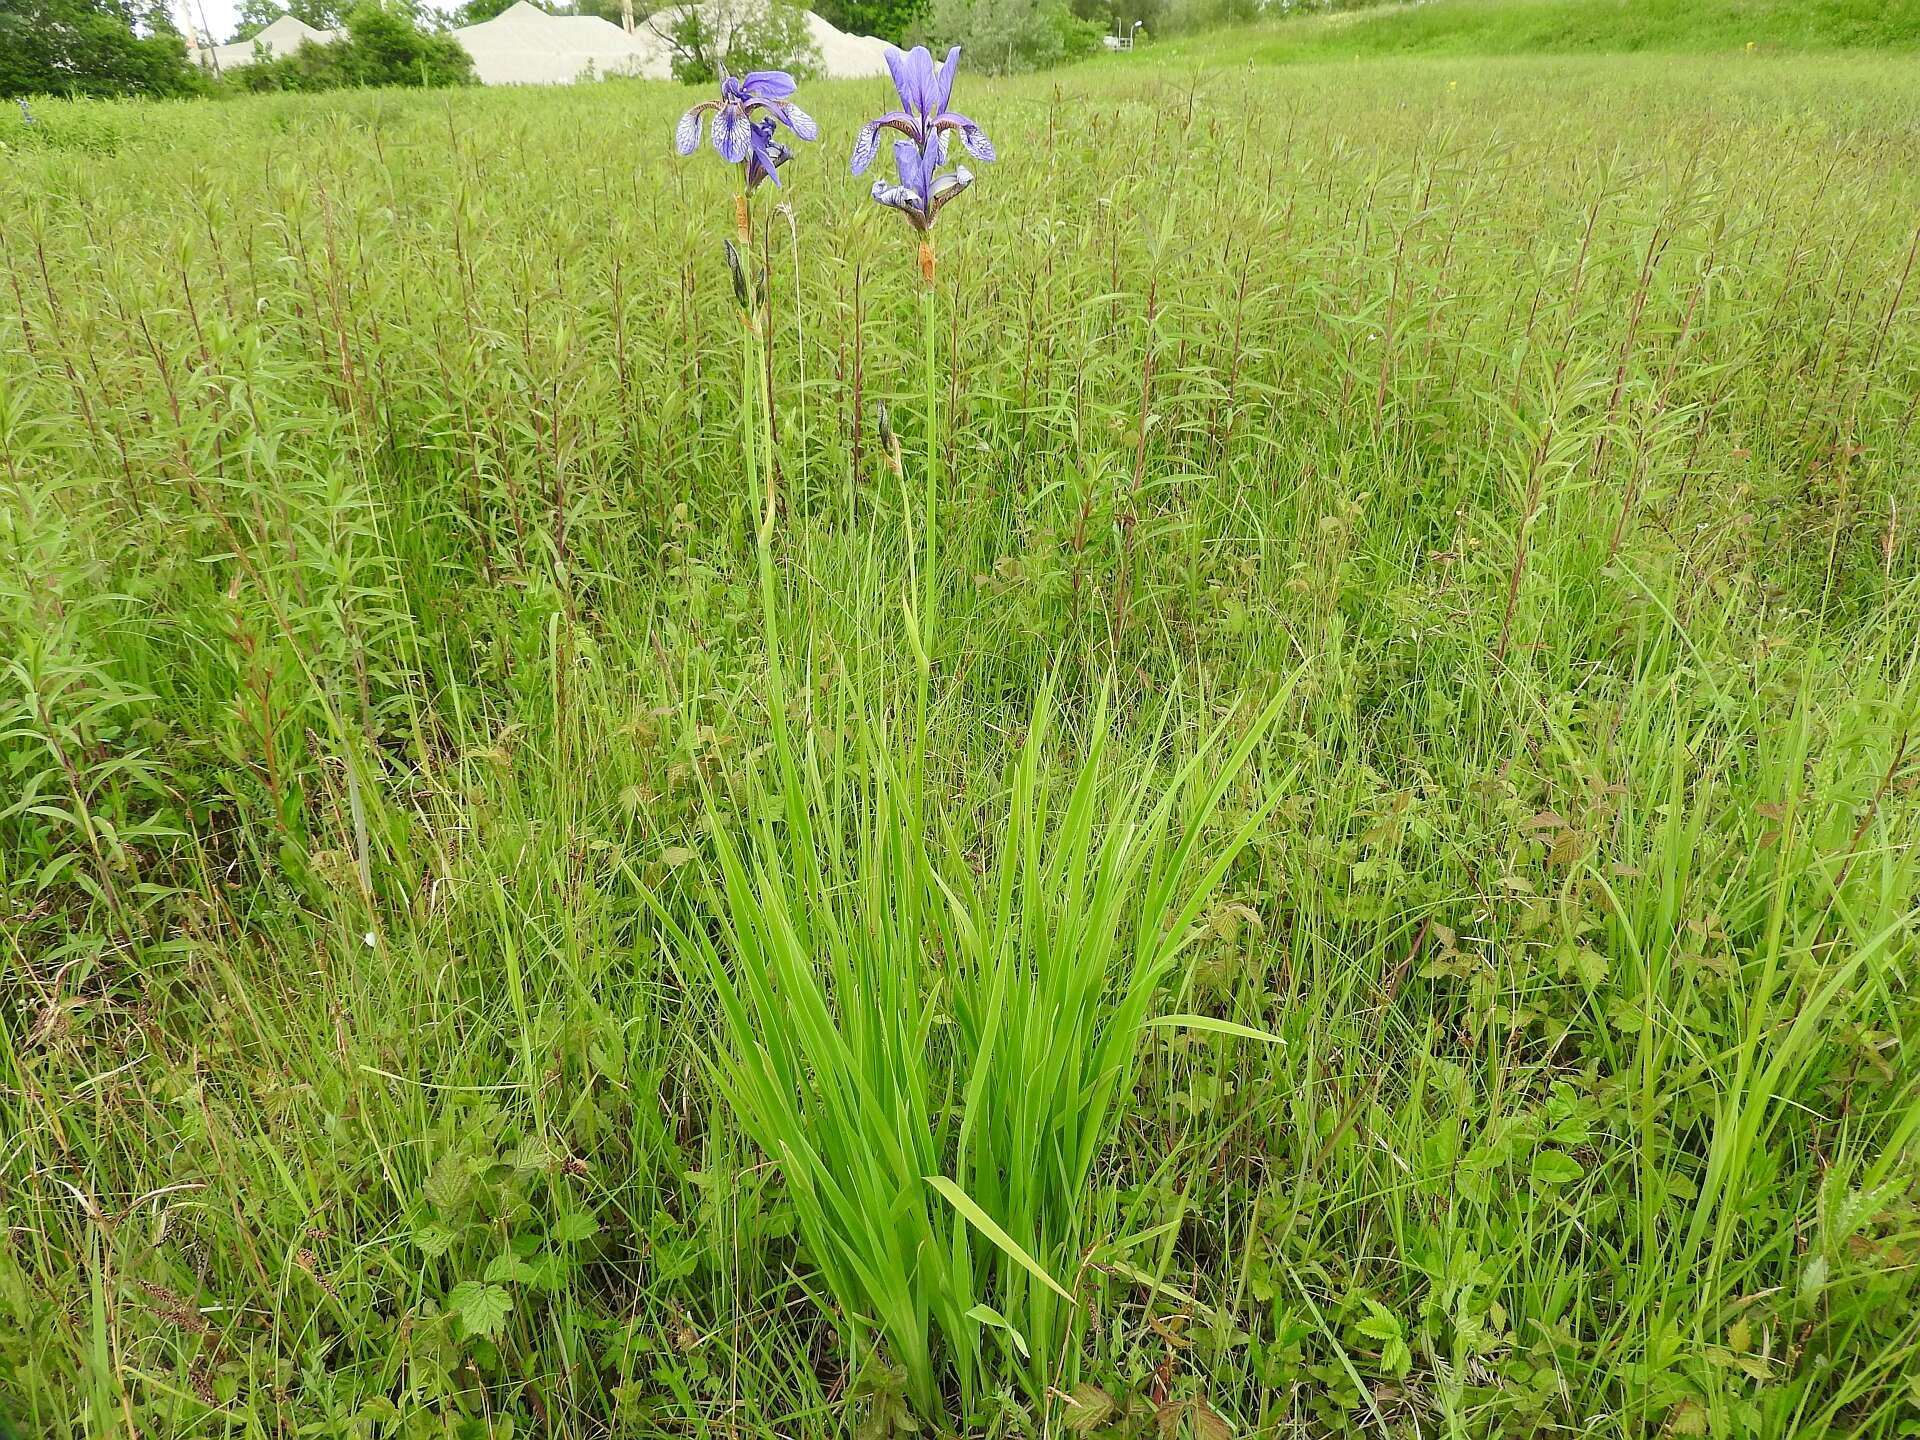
[
  {"x": 1088, "y": 1408},
  {"x": 482, "y": 1307},
  {"x": 1554, "y": 1167},
  {"x": 449, "y": 1183},
  {"x": 1208, "y": 1423},
  {"x": 1690, "y": 1418},
  {"x": 508, "y": 1267},
  {"x": 433, "y": 1239},
  {"x": 533, "y": 1155}
]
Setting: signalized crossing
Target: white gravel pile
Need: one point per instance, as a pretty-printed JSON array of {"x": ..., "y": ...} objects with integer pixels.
[
  {"x": 524, "y": 45},
  {"x": 844, "y": 56},
  {"x": 282, "y": 37}
]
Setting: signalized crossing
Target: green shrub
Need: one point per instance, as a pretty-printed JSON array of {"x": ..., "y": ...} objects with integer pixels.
[
  {"x": 382, "y": 47},
  {"x": 1007, "y": 36},
  {"x": 93, "y": 47}
]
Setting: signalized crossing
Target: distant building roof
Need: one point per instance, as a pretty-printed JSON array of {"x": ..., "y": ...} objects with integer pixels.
[
  {"x": 282, "y": 37},
  {"x": 525, "y": 45}
]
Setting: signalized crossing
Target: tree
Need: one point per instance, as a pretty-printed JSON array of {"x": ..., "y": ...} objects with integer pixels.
[
  {"x": 382, "y": 46},
  {"x": 1002, "y": 36},
  {"x": 252, "y": 17},
  {"x": 256, "y": 15},
  {"x": 1117, "y": 17},
  {"x": 891, "y": 20},
  {"x": 742, "y": 35},
  {"x": 93, "y": 47},
  {"x": 614, "y": 10},
  {"x": 475, "y": 11}
]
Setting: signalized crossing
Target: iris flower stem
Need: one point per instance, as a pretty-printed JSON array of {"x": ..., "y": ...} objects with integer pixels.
[
  {"x": 929, "y": 579},
  {"x": 776, "y": 675},
  {"x": 756, "y": 419}
]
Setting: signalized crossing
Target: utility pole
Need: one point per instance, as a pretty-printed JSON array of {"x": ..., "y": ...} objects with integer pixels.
[
  {"x": 190, "y": 31},
  {"x": 213, "y": 53}
]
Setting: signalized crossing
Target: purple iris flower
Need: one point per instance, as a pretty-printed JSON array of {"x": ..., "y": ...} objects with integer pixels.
[
  {"x": 733, "y": 125},
  {"x": 923, "y": 115},
  {"x": 922, "y": 189},
  {"x": 765, "y": 155}
]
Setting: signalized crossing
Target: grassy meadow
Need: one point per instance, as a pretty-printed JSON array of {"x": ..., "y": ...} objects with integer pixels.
[
  {"x": 1386, "y": 904},
  {"x": 1464, "y": 28}
]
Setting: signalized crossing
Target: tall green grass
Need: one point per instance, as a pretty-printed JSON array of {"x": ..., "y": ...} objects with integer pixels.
[{"x": 422, "y": 932}]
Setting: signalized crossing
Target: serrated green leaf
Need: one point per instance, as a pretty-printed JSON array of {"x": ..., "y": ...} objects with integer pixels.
[
  {"x": 483, "y": 1308},
  {"x": 433, "y": 1239},
  {"x": 449, "y": 1182},
  {"x": 1380, "y": 1325},
  {"x": 1088, "y": 1408},
  {"x": 1814, "y": 1278},
  {"x": 507, "y": 1267}
]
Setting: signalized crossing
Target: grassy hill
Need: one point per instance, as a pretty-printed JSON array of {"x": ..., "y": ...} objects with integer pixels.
[{"x": 1525, "y": 27}]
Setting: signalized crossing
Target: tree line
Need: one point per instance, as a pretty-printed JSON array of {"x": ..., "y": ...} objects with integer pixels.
[{"x": 135, "y": 47}]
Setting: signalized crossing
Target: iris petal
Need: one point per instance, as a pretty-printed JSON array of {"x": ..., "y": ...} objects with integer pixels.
[
  {"x": 801, "y": 123},
  {"x": 946, "y": 187},
  {"x": 768, "y": 84},
  {"x": 867, "y": 143},
  {"x": 865, "y": 146},
  {"x": 902, "y": 199},
  {"x": 903, "y": 73},
  {"x": 730, "y": 134},
  {"x": 913, "y": 78},
  {"x": 902, "y": 70},
  {"x": 916, "y": 168},
  {"x": 686, "y": 135},
  {"x": 942, "y": 89},
  {"x": 971, "y": 135}
]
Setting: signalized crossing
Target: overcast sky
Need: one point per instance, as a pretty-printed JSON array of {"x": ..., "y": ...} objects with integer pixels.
[{"x": 220, "y": 16}]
